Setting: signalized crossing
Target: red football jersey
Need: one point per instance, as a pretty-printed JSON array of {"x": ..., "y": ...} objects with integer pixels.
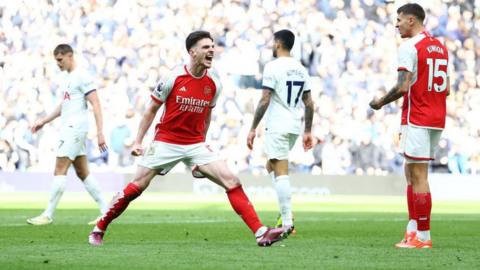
[
  {"x": 424, "y": 105},
  {"x": 186, "y": 100}
]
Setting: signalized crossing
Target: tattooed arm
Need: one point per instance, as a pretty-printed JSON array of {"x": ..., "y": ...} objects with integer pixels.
[
  {"x": 308, "y": 102},
  {"x": 259, "y": 112},
  {"x": 402, "y": 86},
  {"x": 307, "y": 134}
]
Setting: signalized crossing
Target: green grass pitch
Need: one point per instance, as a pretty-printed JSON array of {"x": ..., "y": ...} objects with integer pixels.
[{"x": 177, "y": 231}]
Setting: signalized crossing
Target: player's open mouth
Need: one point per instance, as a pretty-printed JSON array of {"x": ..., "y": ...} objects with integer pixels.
[{"x": 208, "y": 58}]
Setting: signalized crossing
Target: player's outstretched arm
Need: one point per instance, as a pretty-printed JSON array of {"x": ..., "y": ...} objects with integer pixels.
[
  {"x": 145, "y": 123},
  {"x": 402, "y": 86},
  {"x": 259, "y": 112},
  {"x": 309, "y": 107},
  {"x": 92, "y": 97},
  {"x": 37, "y": 125}
]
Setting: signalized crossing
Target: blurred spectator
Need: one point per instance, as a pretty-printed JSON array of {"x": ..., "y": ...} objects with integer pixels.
[
  {"x": 94, "y": 155},
  {"x": 120, "y": 142},
  {"x": 336, "y": 158},
  {"x": 440, "y": 164},
  {"x": 317, "y": 152},
  {"x": 457, "y": 161},
  {"x": 367, "y": 158},
  {"x": 8, "y": 158}
]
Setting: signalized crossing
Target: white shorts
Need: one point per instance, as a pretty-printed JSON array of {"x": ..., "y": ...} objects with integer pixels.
[
  {"x": 71, "y": 143},
  {"x": 418, "y": 144},
  {"x": 277, "y": 145},
  {"x": 162, "y": 156}
]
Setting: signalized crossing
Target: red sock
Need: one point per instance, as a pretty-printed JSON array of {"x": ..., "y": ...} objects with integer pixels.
[
  {"x": 423, "y": 208},
  {"x": 411, "y": 212},
  {"x": 119, "y": 204},
  {"x": 244, "y": 208}
]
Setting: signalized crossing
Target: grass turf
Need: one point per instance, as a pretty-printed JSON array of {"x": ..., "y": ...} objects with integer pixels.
[{"x": 176, "y": 233}]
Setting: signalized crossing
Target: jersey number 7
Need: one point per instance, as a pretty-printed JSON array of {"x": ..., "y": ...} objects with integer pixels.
[{"x": 290, "y": 85}]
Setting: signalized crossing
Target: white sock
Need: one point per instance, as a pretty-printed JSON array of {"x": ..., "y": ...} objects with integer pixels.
[
  {"x": 284, "y": 195},
  {"x": 260, "y": 231},
  {"x": 96, "y": 229},
  {"x": 92, "y": 186},
  {"x": 423, "y": 235},
  {"x": 412, "y": 225},
  {"x": 56, "y": 192}
]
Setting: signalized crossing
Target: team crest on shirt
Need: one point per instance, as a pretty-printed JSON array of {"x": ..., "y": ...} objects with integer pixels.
[
  {"x": 66, "y": 95},
  {"x": 207, "y": 90},
  {"x": 159, "y": 87}
]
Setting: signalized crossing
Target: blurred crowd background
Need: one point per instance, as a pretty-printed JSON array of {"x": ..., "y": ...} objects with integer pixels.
[{"x": 349, "y": 48}]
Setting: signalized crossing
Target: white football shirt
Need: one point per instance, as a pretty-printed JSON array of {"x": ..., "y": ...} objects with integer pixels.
[
  {"x": 75, "y": 86},
  {"x": 288, "y": 80}
]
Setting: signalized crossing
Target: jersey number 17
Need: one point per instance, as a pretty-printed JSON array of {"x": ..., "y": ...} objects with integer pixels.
[{"x": 299, "y": 86}]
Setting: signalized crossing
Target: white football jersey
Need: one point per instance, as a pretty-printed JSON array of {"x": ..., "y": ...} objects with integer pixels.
[
  {"x": 75, "y": 86},
  {"x": 288, "y": 80}
]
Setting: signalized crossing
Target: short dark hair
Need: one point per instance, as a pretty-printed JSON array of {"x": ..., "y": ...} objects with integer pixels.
[
  {"x": 62, "y": 49},
  {"x": 195, "y": 36},
  {"x": 412, "y": 9},
  {"x": 286, "y": 38}
]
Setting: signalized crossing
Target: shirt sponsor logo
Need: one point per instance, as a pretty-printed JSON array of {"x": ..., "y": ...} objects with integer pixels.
[{"x": 190, "y": 104}]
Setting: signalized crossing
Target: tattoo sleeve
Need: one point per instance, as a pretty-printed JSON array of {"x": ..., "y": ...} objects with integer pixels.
[
  {"x": 261, "y": 108},
  {"x": 308, "y": 102},
  {"x": 403, "y": 82}
]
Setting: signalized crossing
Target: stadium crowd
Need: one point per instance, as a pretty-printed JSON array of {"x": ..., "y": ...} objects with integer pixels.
[{"x": 349, "y": 48}]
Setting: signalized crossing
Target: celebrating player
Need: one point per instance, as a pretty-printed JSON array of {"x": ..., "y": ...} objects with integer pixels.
[
  {"x": 285, "y": 83},
  {"x": 78, "y": 88},
  {"x": 424, "y": 84},
  {"x": 188, "y": 96}
]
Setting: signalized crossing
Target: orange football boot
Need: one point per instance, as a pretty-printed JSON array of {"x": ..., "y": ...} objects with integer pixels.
[{"x": 409, "y": 236}]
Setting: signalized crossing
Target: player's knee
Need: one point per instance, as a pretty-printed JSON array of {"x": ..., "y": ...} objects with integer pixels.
[
  {"x": 230, "y": 181},
  {"x": 418, "y": 176},
  {"x": 236, "y": 180},
  {"x": 81, "y": 174},
  {"x": 419, "y": 180},
  {"x": 141, "y": 182}
]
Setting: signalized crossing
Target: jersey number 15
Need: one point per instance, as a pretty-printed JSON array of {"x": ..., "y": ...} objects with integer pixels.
[
  {"x": 290, "y": 85},
  {"x": 434, "y": 72}
]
